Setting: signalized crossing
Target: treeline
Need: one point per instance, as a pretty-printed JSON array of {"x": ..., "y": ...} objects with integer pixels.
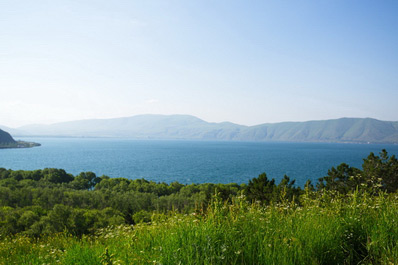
[{"x": 47, "y": 201}]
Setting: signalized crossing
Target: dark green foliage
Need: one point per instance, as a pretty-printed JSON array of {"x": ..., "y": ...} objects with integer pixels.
[
  {"x": 340, "y": 179},
  {"x": 56, "y": 176},
  {"x": 384, "y": 168},
  {"x": 379, "y": 173},
  {"x": 264, "y": 190},
  {"x": 6, "y": 138},
  {"x": 85, "y": 180},
  {"x": 50, "y": 200},
  {"x": 260, "y": 189}
]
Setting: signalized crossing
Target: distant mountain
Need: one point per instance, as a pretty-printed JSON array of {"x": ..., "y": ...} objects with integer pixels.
[
  {"x": 141, "y": 126},
  {"x": 360, "y": 130},
  {"x": 6, "y": 138},
  {"x": 12, "y": 131},
  {"x": 340, "y": 130}
]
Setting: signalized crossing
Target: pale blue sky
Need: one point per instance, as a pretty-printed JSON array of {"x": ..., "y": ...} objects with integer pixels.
[{"x": 247, "y": 62}]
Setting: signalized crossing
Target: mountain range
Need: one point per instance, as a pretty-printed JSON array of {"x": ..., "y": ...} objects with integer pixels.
[{"x": 358, "y": 130}]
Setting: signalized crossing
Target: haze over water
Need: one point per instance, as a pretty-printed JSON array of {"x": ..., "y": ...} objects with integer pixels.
[{"x": 189, "y": 161}]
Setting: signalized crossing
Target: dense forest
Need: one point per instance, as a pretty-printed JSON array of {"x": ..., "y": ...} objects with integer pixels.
[{"x": 36, "y": 205}]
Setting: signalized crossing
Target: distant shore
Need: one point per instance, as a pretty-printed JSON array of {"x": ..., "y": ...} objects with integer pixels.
[{"x": 19, "y": 144}]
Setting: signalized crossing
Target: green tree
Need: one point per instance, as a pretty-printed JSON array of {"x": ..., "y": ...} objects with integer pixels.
[
  {"x": 340, "y": 179},
  {"x": 85, "y": 180},
  {"x": 27, "y": 219},
  {"x": 383, "y": 168},
  {"x": 260, "y": 189},
  {"x": 54, "y": 175},
  {"x": 58, "y": 218}
]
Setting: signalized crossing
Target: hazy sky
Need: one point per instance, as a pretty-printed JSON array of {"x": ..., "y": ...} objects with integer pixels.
[{"x": 247, "y": 62}]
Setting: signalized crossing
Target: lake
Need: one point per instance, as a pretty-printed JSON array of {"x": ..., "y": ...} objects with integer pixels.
[{"x": 188, "y": 161}]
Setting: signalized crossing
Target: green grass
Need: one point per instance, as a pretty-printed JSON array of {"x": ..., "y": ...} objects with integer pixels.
[{"x": 327, "y": 229}]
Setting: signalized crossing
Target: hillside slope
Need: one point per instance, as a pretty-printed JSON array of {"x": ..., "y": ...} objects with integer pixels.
[
  {"x": 6, "y": 138},
  {"x": 339, "y": 130}
]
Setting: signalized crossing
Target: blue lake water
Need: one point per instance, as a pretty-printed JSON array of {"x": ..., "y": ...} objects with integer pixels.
[{"x": 188, "y": 161}]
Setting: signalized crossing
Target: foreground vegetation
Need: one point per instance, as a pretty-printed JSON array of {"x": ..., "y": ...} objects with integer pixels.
[
  {"x": 349, "y": 217},
  {"x": 355, "y": 229}
]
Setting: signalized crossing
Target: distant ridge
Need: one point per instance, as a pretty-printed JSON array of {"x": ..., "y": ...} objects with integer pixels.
[
  {"x": 359, "y": 130},
  {"x": 347, "y": 130}
]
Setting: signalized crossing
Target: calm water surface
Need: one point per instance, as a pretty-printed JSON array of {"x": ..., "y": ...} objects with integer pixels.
[{"x": 188, "y": 161}]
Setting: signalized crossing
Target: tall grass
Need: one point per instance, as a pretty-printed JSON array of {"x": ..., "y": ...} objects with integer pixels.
[{"x": 320, "y": 229}]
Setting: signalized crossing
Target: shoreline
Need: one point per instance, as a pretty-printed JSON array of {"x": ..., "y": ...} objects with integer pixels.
[{"x": 19, "y": 144}]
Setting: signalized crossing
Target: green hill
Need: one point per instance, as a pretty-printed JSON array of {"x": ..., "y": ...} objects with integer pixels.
[{"x": 6, "y": 139}]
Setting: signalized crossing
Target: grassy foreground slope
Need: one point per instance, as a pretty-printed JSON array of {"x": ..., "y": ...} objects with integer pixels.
[{"x": 325, "y": 229}]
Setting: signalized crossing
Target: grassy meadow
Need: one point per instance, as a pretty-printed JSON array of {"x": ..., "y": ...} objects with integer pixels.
[{"x": 323, "y": 228}]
